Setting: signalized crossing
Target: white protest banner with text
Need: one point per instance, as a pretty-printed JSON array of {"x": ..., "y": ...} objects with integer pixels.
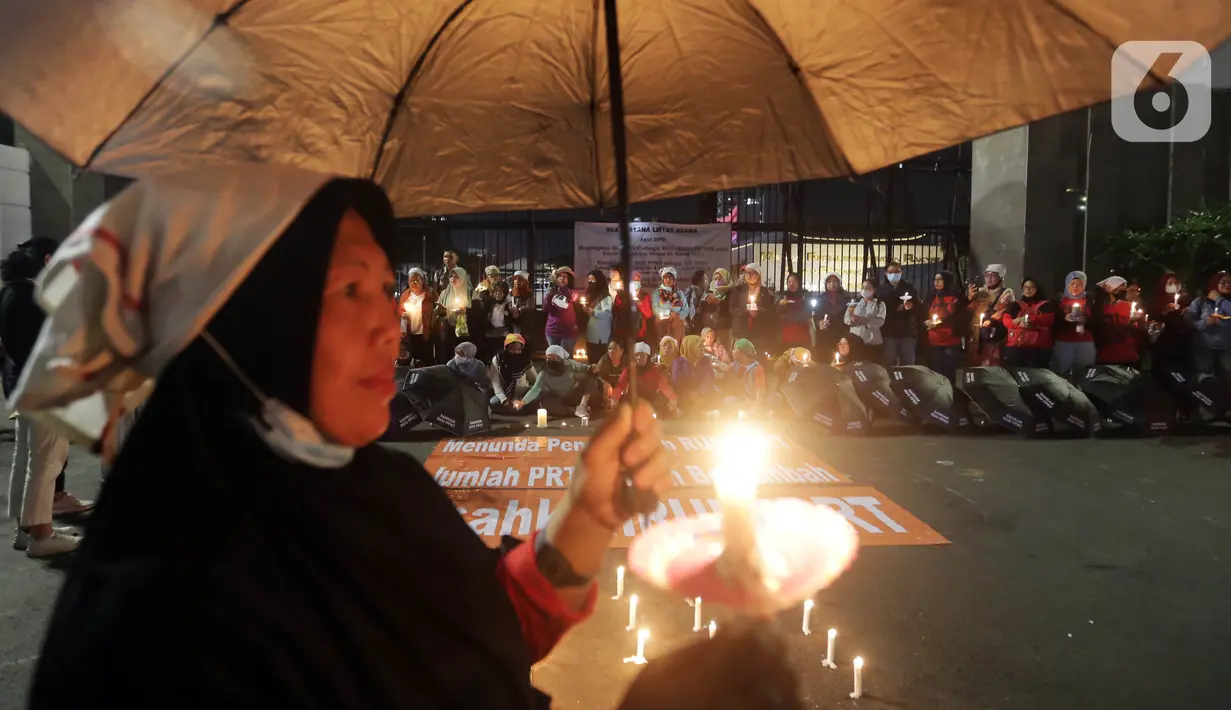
[{"x": 687, "y": 247}]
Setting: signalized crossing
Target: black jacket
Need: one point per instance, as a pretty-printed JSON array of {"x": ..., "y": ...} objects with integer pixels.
[
  {"x": 21, "y": 319},
  {"x": 899, "y": 322}
]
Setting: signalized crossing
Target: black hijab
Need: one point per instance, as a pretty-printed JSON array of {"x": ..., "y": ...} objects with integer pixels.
[{"x": 280, "y": 585}]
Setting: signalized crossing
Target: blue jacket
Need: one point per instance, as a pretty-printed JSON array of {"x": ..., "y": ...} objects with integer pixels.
[{"x": 1213, "y": 337}]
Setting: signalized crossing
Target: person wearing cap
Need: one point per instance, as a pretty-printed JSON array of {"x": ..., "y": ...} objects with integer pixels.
[
  {"x": 653, "y": 384},
  {"x": 751, "y": 304},
  {"x": 987, "y": 304},
  {"x": 415, "y": 308},
  {"x": 562, "y": 387},
  {"x": 507, "y": 374},
  {"x": 1074, "y": 349},
  {"x": 559, "y": 305},
  {"x": 491, "y": 277},
  {"x": 671, "y": 307}
]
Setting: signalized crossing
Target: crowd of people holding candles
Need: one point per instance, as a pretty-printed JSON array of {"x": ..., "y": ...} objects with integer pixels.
[{"x": 716, "y": 341}]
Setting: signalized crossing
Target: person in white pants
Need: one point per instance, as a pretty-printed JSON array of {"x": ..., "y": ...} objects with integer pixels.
[{"x": 38, "y": 456}]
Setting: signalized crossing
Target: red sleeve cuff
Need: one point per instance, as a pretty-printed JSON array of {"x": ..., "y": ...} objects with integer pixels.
[{"x": 544, "y": 616}]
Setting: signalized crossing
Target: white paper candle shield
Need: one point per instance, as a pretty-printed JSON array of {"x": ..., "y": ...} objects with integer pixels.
[{"x": 858, "y": 677}]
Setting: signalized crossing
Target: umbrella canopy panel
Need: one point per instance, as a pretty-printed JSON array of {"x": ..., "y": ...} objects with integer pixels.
[
  {"x": 996, "y": 392},
  {"x": 1129, "y": 397},
  {"x": 930, "y": 397},
  {"x": 824, "y": 395},
  {"x": 460, "y": 106},
  {"x": 1066, "y": 404},
  {"x": 871, "y": 382}
]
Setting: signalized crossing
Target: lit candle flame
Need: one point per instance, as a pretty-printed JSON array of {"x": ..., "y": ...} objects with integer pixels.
[{"x": 742, "y": 453}]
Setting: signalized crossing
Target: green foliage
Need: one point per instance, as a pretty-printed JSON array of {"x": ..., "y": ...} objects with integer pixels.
[{"x": 1194, "y": 246}]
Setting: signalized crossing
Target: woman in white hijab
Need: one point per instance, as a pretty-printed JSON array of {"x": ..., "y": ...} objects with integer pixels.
[
  {"x": 315, "y": 568},
  {"x": 454, "y": 308}
]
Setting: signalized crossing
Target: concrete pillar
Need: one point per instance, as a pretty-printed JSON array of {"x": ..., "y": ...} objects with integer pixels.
[
  {"x": 15, "y": 225},
  {"x": 1027, "y": 186},
  {"x": 60, "y": 195}
]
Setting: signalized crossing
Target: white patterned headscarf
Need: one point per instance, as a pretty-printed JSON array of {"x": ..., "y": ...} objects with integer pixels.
[{"x": 139, "y": 280}]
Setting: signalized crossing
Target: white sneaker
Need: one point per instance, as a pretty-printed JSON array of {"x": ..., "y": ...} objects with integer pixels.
[
  {"x": 22, "y": 539},
  {"x": 69, "y": 504},
  {"x": 57, "y": 543},
  {"x": 582, "y": 411}
]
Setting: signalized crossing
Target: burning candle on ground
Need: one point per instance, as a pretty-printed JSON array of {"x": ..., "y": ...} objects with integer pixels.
[
  {"x": 632, "y": 613},
  {"x": 619, "y": 583},
  {"x": 713, "y": 628},
  {"x": 858, "y": 677},
  {"x": 828, "y": 662},
  {"x": 696, "y": 614},
  {"x": 542, "y": 418},
  {"x": 807, "y": 625},
  {"x": 639, "y": 657}
]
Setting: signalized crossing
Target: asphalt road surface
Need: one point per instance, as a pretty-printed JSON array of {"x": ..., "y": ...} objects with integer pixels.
[{"x": 1079, "y": 574}]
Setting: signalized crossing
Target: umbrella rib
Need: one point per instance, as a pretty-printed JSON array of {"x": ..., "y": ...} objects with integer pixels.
[
  {"x": 598, "y": 161},
  {"x": 400, "y": 97},
  {"x": 797, "y": 72},
  {"x": 219, "y": 20}
]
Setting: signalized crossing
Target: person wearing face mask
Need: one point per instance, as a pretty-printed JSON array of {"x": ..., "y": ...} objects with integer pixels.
[
  {"x": 829, "y": 316},
  {"x": 988, "y": 302},
  {"x": 1029, "y": 321},
  {"x": 653, "y": 384},
  {"x": 1120, "y": 330},
  {"x": 1173, "y": 348},
  {"x": 671, "y": 307},
  {"x": 752, "y": 309},
  {"x": 794, "y": 314},
  {"x": 904, "y": 308},
  {"x": 507, "y": 374},
  {"x": 1210, "y": 317},
  {"x": 712, "y": 308},
  {"x": 946, "y": 309},
  {"x": 1074, "y": 341},
  {"x": 416, "y": 306},
  {"x": 866, "y": 317},
  {"x": 491, "y": 277},
  {"x": 467, "y": 366},
  {"x": 562, "y": 387}
]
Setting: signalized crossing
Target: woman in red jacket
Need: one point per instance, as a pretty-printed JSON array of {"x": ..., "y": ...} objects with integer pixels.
[
  {"x": 1029, "y": 321},
  {"x": 945, "y": 310},
  {"x": 1119, "y": 331},
  {"x": 653, "y": 384},
  {"x": 1074, "y": 346}
]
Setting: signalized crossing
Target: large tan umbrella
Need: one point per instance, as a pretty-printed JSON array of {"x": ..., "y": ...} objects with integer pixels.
[{"x": 467, "y": 105}]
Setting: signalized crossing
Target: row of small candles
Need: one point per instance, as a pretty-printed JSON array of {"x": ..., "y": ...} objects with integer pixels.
[{"x": 643, "y": 634}]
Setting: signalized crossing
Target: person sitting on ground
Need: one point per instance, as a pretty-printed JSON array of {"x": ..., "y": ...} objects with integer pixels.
[
  {"x": 562, "y": 387},
  {"x": 507, "y": 373},
  {"x": 714, "y": 348},
  {"x": 467, "y": 367},
  {"x": 608, "y": 370},
  {"x": 652, "y": 384},
  {"x": 668, "y": 351},
  {"x": 844, "y": 354},
  {"x": 747, "y": 386},
  {"x": 692, "y": 377}
]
